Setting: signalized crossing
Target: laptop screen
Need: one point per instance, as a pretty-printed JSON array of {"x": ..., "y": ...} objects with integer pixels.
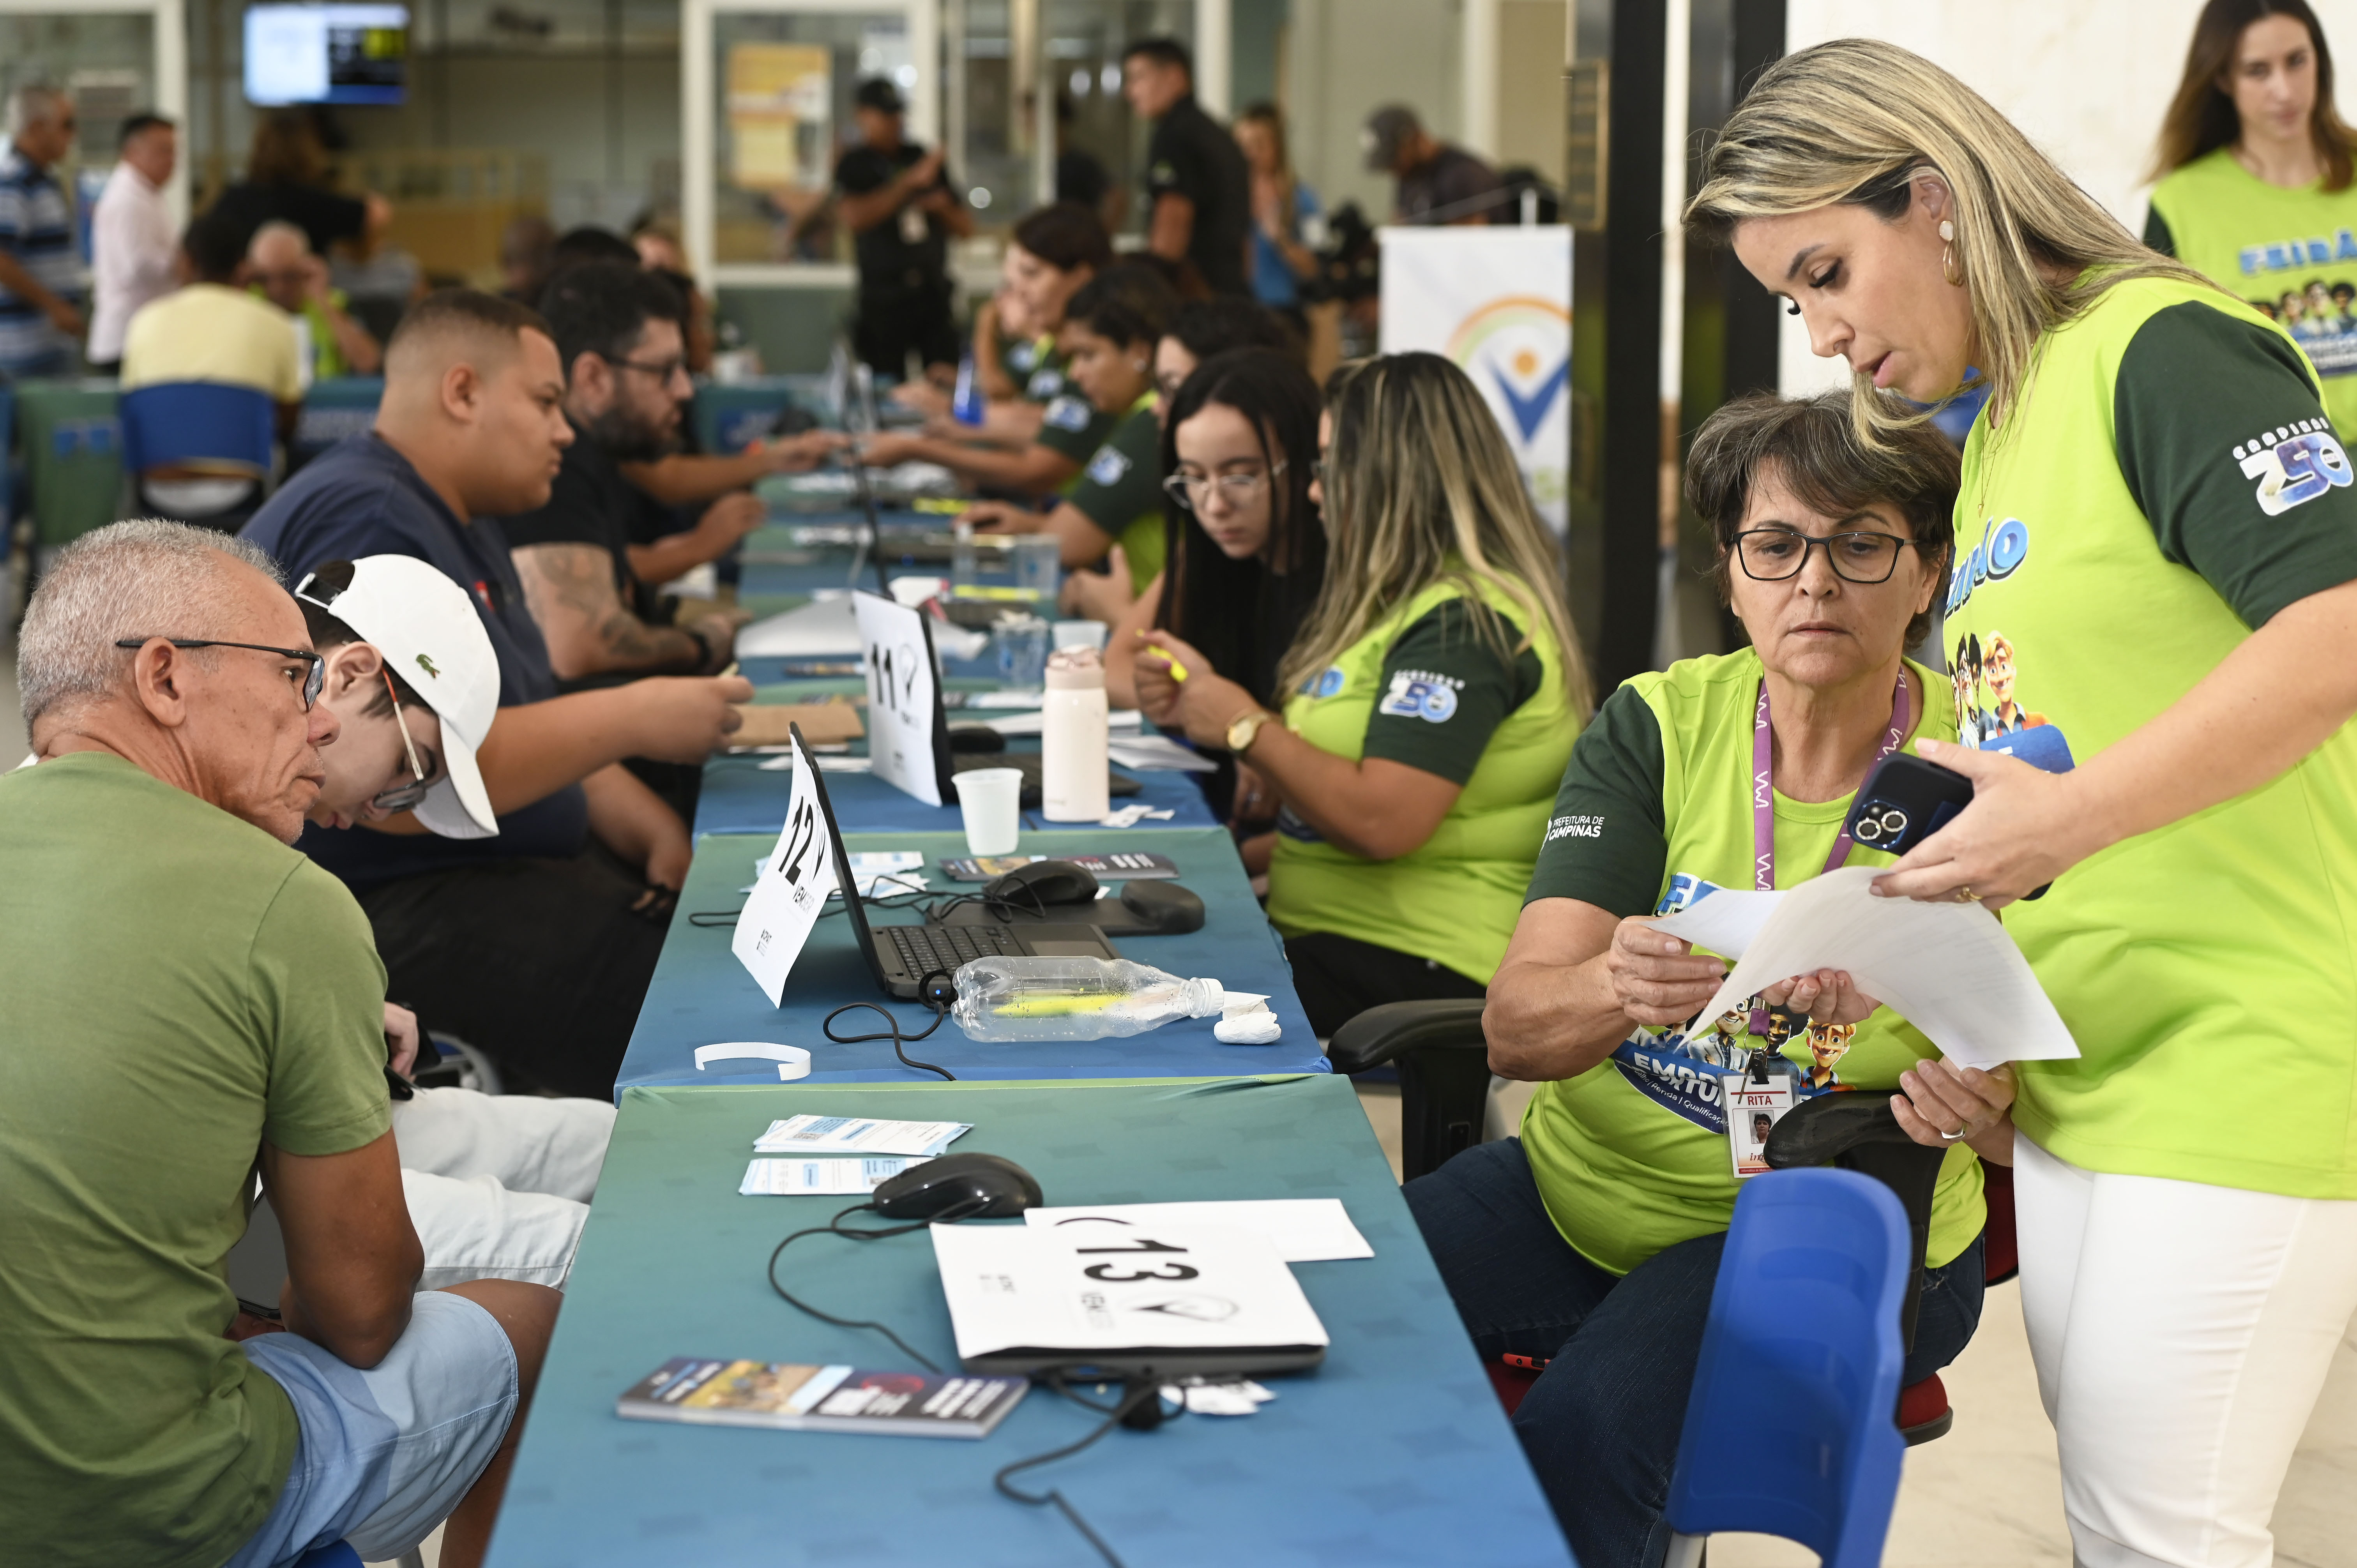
[{"x": 853, "y": 910}]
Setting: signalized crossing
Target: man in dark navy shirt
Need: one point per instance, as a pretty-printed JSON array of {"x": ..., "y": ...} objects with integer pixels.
[
  {"x": 1195, "y": 172},
  {"x": 536, "y": 944},
  {"x": 897, "y": 201}
]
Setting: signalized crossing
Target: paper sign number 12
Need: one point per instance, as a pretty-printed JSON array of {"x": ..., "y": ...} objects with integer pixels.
[{"x": 789, "y": 894}]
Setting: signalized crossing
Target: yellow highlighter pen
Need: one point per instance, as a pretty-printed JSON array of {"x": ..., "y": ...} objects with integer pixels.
[{"x": 1178, "y": 670}]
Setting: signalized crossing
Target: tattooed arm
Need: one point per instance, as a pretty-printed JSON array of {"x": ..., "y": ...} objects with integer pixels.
[{"x": 571, "y": 592}]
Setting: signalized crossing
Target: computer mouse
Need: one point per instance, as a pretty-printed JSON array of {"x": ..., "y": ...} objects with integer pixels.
[
  {"x": 1172, "y": 909},
  {"x": 920, "y": 1192},
  {"x": 1044, "y": 882}
]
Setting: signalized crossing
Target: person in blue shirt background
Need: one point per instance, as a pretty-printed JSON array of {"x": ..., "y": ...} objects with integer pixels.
[
  {"x": 40, "y": 270},
  {"x": 1282, "y": 207}
]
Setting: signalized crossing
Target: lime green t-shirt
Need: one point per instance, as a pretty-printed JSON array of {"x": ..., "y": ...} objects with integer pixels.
[
  {"x": 1452, "y": 900},
  {"x": 176, "y": 988},
  {"x": 2291, "y": 253},
  {"x": 1120, "y": 490},
  {"x": 2168, "y": 482},
  {"x": 1655, "y": 812}
]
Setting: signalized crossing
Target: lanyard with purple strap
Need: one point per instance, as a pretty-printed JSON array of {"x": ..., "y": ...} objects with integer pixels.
[{"x": 1763, "y": 804}]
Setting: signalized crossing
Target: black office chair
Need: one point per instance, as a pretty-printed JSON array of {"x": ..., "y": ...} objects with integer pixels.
[{"x": 1444, "y": 1070}]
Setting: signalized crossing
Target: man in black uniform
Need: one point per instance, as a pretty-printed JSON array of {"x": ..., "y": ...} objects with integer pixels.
[
  {"x": 1195, "y": 173},
  {"x": 897, "y": 203}
]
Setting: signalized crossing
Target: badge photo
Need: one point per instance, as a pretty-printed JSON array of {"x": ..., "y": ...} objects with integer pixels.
[{"x": 1754, "y": 1110}]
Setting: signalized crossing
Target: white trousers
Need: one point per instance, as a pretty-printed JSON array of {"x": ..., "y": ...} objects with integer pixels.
[
  {"x": 2182, "y": 1333},
  {"x": 499, "y": 1185}
]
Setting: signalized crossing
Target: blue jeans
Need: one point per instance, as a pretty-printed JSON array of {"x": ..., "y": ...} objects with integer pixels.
[{"x": 1600, "y": 1425}]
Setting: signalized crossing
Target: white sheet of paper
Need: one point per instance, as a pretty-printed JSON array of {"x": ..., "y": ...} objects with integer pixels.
[
  {"x": 901, "y": 696},
  {"x": 790, "y": 894},
  {"x": 1948, "y": 968},
  {"x": 1156, "y": 754},
  {"x": 801, "y": 1178},
  {"x": 1725, "y": 922},
  {"x": 1302, "y": 1229},
  {"x": 1034, "y": 722},
  {"x": 814, "y": 1134},
  {"x": 1013, "y": 1285}
]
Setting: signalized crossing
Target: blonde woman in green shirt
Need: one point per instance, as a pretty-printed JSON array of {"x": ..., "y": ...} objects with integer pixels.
[
  {"x": 2254, "y": 186},
  {"x": 1436, "y": 690},
  {"x": 2156, "y": 539}
]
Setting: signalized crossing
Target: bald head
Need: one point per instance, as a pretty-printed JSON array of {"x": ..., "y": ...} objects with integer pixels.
[{"x": 279, "y": 258}]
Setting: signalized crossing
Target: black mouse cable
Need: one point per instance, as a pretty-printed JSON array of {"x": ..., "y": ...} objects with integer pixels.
[
  {"x": 892, "y": 1025},
  {"x": 962, "y": 1210},
  {"x": 1132, "y": 1401}
]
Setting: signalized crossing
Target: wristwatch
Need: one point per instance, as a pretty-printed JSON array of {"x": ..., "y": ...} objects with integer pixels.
[{"x": 1246, "y": 727}]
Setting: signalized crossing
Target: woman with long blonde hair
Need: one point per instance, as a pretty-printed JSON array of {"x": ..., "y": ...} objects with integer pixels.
[
  {"x": 2255, "y": 185},
  {"x": 2157, "y": 519},
  {"x": 1435, "y": 689}
]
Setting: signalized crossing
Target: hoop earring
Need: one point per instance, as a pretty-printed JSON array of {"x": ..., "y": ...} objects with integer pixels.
[{"x": 1948, "y": 268}]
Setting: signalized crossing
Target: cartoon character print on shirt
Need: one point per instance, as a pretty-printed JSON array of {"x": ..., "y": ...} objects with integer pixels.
[
  {"x": 1987, "y": 673},
  {"x": 1682, "y": 1073}
]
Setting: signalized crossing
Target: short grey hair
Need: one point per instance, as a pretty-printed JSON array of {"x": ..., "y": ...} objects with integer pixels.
[
  {"x": 276, "y": 227},
  {"x": 142, "y": 578},
  {"x": 32, "y": 105}
]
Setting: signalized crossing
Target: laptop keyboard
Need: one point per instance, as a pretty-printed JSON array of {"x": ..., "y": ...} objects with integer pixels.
[{"x": 924, "y": 949}]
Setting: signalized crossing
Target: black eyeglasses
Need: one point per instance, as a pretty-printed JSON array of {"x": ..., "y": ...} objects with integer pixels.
[
  {"x": 1774, "y": 554},
  {"x": 402, "y": 797},
  {"x": 315, "y": 668},
  {"x": 663, "y": 371}
]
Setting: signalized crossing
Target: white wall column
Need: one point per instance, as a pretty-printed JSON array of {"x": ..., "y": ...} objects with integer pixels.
[{"x": 1478, "y": 97}]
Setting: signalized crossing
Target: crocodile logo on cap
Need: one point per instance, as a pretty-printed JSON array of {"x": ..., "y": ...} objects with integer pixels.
[{"x": 428, "y": 665}]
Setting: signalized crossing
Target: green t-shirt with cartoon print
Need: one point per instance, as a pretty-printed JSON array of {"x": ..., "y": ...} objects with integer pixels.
[
  {"x": 2168, "y": 483},
  {"x": 2292, "y": 255},
  {"x": 1632, "y": 1157}
]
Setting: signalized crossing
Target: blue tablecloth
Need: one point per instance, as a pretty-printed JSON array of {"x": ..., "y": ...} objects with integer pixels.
[
  {"x": 701, "y": 995},
  {"x": 1393, "y": 1452}
]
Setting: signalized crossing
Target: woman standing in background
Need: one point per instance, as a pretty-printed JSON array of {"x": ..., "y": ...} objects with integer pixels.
[
  {"x": 2254, "y": 172},
  {"x": 1280, "y": 205}
]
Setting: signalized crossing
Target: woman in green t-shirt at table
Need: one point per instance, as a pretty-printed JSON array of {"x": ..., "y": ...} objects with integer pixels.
[
  {"x": 1434, "y": 693},
  {"x": 2256, "y": 189},
  {"x": 1589, "y": 1245},
  {"x": 2157, "y": 565},
  {"x": 1115, "y": 505}
]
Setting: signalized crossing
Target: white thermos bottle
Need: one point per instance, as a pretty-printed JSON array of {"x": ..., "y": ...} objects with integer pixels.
[{"x": 1072, "y": 726}]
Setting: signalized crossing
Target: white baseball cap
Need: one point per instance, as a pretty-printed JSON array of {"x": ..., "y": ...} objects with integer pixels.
[{"x": 426, "y": 628}]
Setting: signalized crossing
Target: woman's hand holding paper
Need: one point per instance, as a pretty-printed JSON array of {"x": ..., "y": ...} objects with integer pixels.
[
  {"x": 1943, "y": 1104},
  {"x": 1658, "y": 980},
  {"x": 1825, "y": 996}
]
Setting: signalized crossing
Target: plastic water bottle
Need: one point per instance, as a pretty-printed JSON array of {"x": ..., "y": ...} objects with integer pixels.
[
  {"x": 1017, "y": 998},
  {"x": 966, "y": 401}
]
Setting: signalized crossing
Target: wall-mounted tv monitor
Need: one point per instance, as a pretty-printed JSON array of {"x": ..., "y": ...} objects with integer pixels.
[{"x": 326, "y": 54}]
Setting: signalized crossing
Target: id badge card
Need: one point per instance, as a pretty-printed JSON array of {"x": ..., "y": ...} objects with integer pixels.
[{"x": 1752, "y": 1111}]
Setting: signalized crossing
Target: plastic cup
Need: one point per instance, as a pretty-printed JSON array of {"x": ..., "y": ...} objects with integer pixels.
[
  {"x": 988, "y": 798},
  {"x": 1080, "y": 634},
  {"x": 1038, "y": 566},
  {"x": 1021, "y": 643}
]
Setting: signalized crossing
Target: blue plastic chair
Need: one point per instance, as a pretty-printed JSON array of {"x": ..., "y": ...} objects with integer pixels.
[
  {"x": 335, "y": 1554},
  {"x": 1789, "y": 1429},
  {"x": 207, "y": 423}
]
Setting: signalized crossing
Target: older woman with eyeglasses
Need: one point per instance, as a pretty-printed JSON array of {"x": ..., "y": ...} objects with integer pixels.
[{"x": 1588, "y": 1246}]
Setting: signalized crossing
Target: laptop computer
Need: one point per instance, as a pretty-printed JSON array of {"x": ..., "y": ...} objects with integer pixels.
[{"x": 901, "y": 956}]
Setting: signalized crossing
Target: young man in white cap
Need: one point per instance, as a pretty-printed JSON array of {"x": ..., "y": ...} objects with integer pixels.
[{"x": 498, "y": 1186}]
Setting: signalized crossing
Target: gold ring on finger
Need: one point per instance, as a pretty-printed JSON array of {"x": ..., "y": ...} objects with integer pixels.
[{"x": 1967, "y": 895}]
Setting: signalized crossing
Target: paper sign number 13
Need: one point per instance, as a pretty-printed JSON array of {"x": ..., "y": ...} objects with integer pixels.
[{"x": 1103, "y": 1273}]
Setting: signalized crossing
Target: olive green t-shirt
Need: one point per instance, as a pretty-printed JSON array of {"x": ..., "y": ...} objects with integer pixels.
[
  {"x": 1655, "y": 815},
  {"x": 1120, "y": 490},
  {"x": 176, "y": 988},
  {"x": 1072, "y": 426}
]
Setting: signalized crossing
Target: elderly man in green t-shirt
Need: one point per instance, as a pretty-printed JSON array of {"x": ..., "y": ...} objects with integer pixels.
[{"x": 184, "y": 998}]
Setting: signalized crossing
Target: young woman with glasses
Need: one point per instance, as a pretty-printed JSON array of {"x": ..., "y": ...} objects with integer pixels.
[
  {"x": 1429, "y": 701},
  {"x": 1588, "y": 1245},
  {"x": 1245, "y": 551}
]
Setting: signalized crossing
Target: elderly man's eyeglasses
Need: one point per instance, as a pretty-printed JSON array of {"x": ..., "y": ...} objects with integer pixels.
[
  {"x": 315, "y": 669},
  {"x": 1235, "y": 490},
  {"x": 1774, "y": 554},
  {"x": 403, "y": 796}
]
